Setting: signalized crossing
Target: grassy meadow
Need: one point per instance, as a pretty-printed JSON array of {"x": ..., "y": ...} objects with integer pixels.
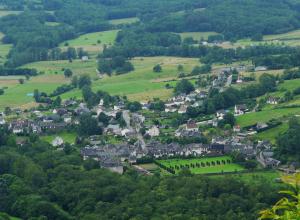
[
  {"x": 272, "y": 133},
  {"x": 92, "y": 42},
  {"x": 143, "y": 83},
  {"x": 7, "y": 12},
  {"x": 20, "y": 95},
  {"x": 228, "y": 167},
  {"x": 124, "y": 21}
]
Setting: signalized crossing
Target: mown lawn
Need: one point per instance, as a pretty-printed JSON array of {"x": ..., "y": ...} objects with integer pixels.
[
  {"x": 68, "y": 137},
  {"x": 222, "y": 168}
]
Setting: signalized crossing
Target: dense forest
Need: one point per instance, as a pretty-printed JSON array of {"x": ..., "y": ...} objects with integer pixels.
[
  {"x": 32, "y": 37},
  {"x": 39, "y": 182}
]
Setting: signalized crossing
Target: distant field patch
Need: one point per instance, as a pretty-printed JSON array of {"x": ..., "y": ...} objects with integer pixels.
[
  {"x": 201, "y": 165},
  {"x": 78, "y": 67},
  {"x": 291, "y": 38},
  {"x": 5, "y": 13},
  {"x": 93, "y": 42},
  {"x": 4, "y": 49},
  {"x": 124, "y": 21},
  {"x": 197, "y": 35},
  {"x": 52, "y": 23}
]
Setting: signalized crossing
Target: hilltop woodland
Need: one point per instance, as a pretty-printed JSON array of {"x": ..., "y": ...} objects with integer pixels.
[
  {"x": 32, "y": 37},
  {"x": 38, "y": 182}
]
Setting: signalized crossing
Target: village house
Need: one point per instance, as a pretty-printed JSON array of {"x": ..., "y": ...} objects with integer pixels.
[
  {"x": 191, "y": 125},
  {"x": 170, "y": 109},
  {"x": 182, "y": 109},
  {"x": 69, "y": 102},
  {"x": 57, "y": 142},
  {"x": 153, "y": 131},
  {"x": 261, "y": 126},
  {"x": 236, "y": 128},
  {"x": 239, "y": 80},
  {"x": 260, "y": 68},
  {"x": 240, "y": 109},
  {"x": 220, "y": 114},
  {"x": 2, "y": 119},
  {"x": 273, "y": 100},
  {"x": 182, "y": 132},
  {"x": 84, "y": 58}
]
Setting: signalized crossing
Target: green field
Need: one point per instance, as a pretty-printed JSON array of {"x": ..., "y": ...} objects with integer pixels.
[
  {"x": 203, "y": 167},
  {"x": 124, "y": 21},
  {"x": 17, "y": 95},
  {"x": 78, "y": 67},
  {"x": 68, "y": 137},
  {"x": 5, "y": 13},
  {"x": 197, "y": 35},
  {"x": 93, "y": 42},
  {"x": 272, "y": 133},
  {"x": 4, "y": 49},
  {"x": 143, "y": 83},
  {"x": 265, "y": 116}
]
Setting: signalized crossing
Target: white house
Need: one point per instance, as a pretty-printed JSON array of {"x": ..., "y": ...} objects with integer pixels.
[
  {"x": 273, "y": 100},
  {"x": 220, "y": 114},
  {"x": 153, "y": 131},
  {"x": 57, "y": 142},
  {"x": 182, "y": 109},
  {"x": 240, "y": 109},
  {"x": 84, "y": 58},
  {"x": 2, "y": 120},
  {"x": 260, "y": 68}
]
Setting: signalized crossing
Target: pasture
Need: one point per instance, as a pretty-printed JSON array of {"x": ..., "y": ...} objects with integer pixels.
[
  {"x": 273, "y": 133},
  {"x": 17, "y": 95},
  {"x": 142, "y": 83},
  {"x": 78, "y": 67},
  {"x": 124, "y": 21},
  {"x": 207, "y": 165},
  {"x": 92, "y": 42},
  {"x": 266, "y": 115}
]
